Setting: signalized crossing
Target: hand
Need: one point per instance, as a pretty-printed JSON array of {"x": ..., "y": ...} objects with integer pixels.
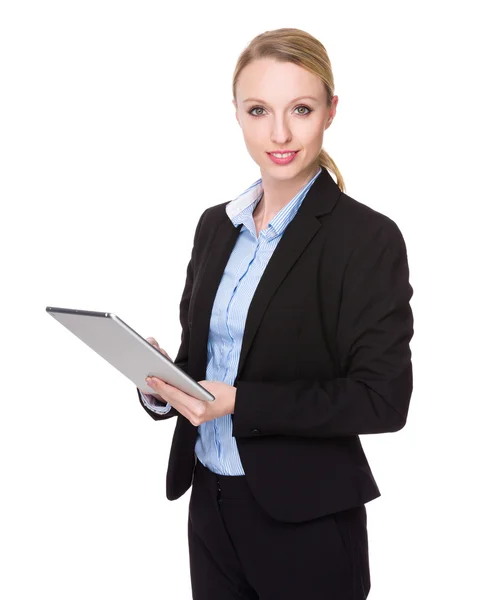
[
  {"x": 154, "y": 343},
  {"x": 195, "y": 410}
]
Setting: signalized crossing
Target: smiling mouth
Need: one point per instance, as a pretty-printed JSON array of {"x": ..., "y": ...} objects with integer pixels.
[{"x": 283, "y": 154}]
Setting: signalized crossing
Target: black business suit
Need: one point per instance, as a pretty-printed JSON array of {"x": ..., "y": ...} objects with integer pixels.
[{"x": 341, "y": 367}]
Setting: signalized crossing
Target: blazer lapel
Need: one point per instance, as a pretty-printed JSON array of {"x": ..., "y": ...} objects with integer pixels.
[
  {"x": 204, "y": 292},
  {"x": 297, "y": 235},
  {"x": 320, "y": 199}
]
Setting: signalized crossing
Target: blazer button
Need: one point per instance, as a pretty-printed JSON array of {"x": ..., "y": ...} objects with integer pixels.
[{"x": 255, "y": 431}]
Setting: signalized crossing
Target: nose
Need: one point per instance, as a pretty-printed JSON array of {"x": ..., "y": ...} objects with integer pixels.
[{"x": 280, "y": 133}]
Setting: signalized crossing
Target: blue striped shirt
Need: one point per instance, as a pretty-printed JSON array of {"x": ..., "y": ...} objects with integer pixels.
[{"x": 215, "y": 446}]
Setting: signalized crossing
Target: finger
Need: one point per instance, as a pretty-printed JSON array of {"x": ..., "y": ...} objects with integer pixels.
[
  {"x": 173, "y": 398},
  {"x": 189, "y": 407},
  {"x": 166, "y": 390},
  {"x": 154, "y": 343},
  {"x": 173, "y": 395},
  {"x": 164, "y": 352},
  {"x": 161, "y": 386}
]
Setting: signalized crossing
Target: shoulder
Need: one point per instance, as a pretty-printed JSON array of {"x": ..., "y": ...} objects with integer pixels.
[
  {"x": 362, "y": 224},
  {"x": 208, "y": 221},
  {"x": 216, "y": 212},
  {"x": 213, "y": 215}
]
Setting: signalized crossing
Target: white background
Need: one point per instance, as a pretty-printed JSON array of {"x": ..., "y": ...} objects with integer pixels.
[{"x": 117, "y": 131}]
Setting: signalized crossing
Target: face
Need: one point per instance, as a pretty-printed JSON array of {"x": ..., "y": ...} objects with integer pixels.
[{"x": 281, "y": 106}]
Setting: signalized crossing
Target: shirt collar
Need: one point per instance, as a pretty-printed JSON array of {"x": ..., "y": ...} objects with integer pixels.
[{"x": 240, "y": 210}]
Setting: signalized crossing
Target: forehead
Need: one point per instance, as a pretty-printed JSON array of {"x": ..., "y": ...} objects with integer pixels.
[{"x": 275, "y": 81}]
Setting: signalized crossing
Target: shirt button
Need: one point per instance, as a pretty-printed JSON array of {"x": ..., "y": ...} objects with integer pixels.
[{"x": 255, "y": 431}]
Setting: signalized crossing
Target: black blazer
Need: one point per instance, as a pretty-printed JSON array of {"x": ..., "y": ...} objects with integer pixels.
[{"x": 325, "y": 353}]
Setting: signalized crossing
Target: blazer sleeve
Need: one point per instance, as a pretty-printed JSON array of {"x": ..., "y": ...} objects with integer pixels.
[
  {"x": 181, "y": 359},
  {"x": 375, "y": 326},
  {"x": 152, "y": 402}
]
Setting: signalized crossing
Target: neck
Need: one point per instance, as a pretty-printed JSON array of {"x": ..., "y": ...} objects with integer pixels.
[{"x": 279, "y": 192}]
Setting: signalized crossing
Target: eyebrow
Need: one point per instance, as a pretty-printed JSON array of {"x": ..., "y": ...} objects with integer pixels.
[{"x": 294, "y": 100}]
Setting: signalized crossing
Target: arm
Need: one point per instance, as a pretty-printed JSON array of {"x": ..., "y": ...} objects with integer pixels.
[
  {"x": 156, "y": 409},
  {"x": 375, "y": 326}
]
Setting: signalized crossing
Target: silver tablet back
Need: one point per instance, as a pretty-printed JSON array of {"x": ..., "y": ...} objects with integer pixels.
[{"x": 126, "y": 350}]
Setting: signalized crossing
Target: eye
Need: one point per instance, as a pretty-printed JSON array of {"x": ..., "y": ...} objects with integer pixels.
[
  {"x": 261, "y": 108},
  {"x": 255, "y": 108}
]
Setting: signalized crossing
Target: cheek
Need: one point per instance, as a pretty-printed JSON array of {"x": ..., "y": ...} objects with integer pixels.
[
  {"x": 313, "y": 137},
  {"x": 254, "y": 138}
]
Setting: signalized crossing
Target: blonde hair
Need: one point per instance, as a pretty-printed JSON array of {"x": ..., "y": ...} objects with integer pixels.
[{"x": 301, "y": 48}]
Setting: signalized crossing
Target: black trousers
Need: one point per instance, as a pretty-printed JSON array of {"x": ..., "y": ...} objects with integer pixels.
[{"x": 238, "y": 552}]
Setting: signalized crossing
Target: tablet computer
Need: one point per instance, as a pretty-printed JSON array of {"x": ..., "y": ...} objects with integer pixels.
[{"x": 126, "y": 350}]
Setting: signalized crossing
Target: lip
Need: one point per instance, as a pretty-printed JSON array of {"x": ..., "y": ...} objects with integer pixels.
[{"x": 283, "y": 161}]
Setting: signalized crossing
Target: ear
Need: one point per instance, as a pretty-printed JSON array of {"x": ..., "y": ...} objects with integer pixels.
[
  {"x": 332, "y": 112},
  {"x": 236, "y": 111}
]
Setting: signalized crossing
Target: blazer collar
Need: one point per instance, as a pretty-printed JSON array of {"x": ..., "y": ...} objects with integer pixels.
[{"x": 319, "y": 200}]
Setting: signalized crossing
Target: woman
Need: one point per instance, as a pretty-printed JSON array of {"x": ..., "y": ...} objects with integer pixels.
[{"x": 295, "y": 315}]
